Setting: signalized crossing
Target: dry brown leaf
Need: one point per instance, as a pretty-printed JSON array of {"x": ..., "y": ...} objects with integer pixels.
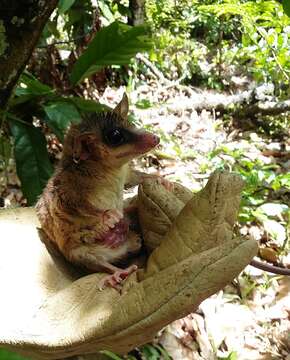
[{"x": 268, "y": 254}]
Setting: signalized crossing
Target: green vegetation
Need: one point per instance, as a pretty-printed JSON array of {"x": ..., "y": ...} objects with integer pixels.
[
  {"x": 6, "y": 355},
  {"x": 204, "y": 45}
]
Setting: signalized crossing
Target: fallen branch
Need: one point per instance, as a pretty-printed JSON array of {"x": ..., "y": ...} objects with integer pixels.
[
  {"x": 157, "y": 73},
  {"x": 245, "y": 104},
  {"x": 266, "y": 108}
]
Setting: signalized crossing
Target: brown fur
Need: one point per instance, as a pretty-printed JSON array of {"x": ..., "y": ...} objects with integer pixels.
[{"x": 83, "y": 201}]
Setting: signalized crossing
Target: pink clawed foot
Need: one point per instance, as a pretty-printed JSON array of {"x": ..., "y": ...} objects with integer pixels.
[{"x": 115, "y": 280}]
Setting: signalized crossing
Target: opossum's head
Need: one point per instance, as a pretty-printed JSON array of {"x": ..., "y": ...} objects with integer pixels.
[{"x": 108, "y": 137}]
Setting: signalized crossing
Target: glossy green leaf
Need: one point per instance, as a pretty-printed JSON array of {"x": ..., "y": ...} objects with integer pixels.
[
  {"x": 106, "y": 11},
  {"x": 29, "y": 85},
  {"x": 32, "y": 162},
  {"x": 286, "y": 6},
  {"x": 65, "y": 5},
  {"x": 60, "y": 115},
  {"x": 29, "y": 88},
  {"x": 115, "y": 44}
]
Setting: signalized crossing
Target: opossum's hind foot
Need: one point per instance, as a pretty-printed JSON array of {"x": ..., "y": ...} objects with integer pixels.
[{"x": 115, "y": 280}]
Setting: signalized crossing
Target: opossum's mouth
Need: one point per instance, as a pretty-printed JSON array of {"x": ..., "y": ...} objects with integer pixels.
[{"x": 131, "y": 154}]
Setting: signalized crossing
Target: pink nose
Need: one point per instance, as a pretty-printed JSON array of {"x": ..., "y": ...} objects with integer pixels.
[
  {"x": 155, "y": 140},
  {"x": 147, "y": 141},
  {"x": 150, "y": 139}
]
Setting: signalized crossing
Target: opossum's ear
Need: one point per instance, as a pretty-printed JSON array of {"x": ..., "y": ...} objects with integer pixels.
[
  {"x": 122, "y": 108},
  {"x": 82, "y": 146}
]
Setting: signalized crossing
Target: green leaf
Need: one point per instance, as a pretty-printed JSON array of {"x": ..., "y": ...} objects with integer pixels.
[
  {"x": 232, "y": 356},
  {"x": 163, "y": 352},
  {"x": 51, "y": 25},
  {"x": 65, "y": 5},
  {"x": 143, "y": 104},
  {"x": 123, "y": 10},
  {"x": 88, "y": 105},
  {"x": 150, "y": 352},
  {"x": 281, "y": 180},
  {"x": 60, "y": 115},
  {"x": 111, "y": 355},
  {"x": 29, "y": 85},
  {"x": 7, "y": 355},
  {"x": 272, "y": 37},
  {"x": 286, "y": 6},
  {"x": 106, "y": 11},
  {"x": 115, "y": 44},
  {"x": 32, "y": 162}
]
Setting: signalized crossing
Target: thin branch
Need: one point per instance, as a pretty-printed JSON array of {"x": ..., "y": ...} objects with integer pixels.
[
  {"x": 65, "y": 41},
  {"x": 270, "y": 268},
  {"x": 153, "y": 69}
]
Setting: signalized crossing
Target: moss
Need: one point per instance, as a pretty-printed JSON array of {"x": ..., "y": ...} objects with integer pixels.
[{"x": 3, "y": 42}]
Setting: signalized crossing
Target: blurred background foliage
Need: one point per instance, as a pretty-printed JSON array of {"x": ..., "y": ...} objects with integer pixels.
[{"x": 87, "y": 45}]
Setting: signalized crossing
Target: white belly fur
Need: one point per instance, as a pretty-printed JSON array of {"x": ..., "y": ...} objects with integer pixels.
[{"x": 110, "y": 194}]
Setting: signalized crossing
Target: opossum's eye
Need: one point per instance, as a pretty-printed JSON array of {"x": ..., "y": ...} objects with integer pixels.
[{"x": 115, "y": 137}]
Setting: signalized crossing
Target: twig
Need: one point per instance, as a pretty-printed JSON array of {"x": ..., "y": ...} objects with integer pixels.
[
  {"x": 55, "y": 43},
  {"x": 270, "y": 268},
  {"x": 153, "y": 69},
  {"x": 66, "y": 41},
  {"x": 15, "y": 118}
]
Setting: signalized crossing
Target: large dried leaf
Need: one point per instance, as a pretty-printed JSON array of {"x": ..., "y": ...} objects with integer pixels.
[{"x": 62, "y": 313}]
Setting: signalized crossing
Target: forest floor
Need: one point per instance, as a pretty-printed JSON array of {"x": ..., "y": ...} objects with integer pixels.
[{"x": 250, "y": 318}]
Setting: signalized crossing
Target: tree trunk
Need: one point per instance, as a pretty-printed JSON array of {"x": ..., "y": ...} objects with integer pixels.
[
  {"x": 137, "y": 9},
  {"x": 21, "y": 24}
]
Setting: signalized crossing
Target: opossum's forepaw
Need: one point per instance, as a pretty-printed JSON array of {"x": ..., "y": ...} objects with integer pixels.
[{"x": 110, "y": 218}]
